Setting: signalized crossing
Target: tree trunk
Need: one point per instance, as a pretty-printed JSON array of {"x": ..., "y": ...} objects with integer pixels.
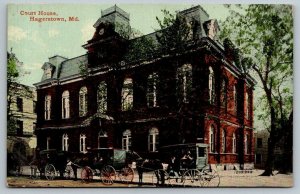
[
  {"x": 270, "y": 160},
  {"x": 287, "y": 163},
  {"x": 271, "y": 143}
]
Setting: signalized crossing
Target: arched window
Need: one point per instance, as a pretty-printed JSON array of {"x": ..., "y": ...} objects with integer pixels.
[
  {"x": 65, "y": 105},
  {"x": 246, "y": 144},
  {"x": 235, "y": 99},
  {"x": 212, "y": 139},
  {"x": 83, "y": 106},
  {"x": 211, "y": 85},
  {"x": 65, "y": 142},
  {"x": 184, "y": 82},
  {"x": 82, "y": 145},
  {"x": 48, "y": 72},
  {"x": 126, "y": 140},
  {"x": 152, "y": 90},
  {"x": 102, "y": 139},
  {"x": 153, "y": 139},
  {"x": 47, "y": 107},
  {"x": 102, "y": 97},
  {"x": 224, "y": 93},
  {"x": 224, "y": 143},
  {"x": 127, "y": 94},
  {"x": 233, "y": 143},
  {"x": 248, "y": 106}
]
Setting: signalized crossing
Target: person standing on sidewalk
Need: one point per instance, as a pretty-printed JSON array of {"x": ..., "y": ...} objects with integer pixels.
[{"x": 173, "y": 167}]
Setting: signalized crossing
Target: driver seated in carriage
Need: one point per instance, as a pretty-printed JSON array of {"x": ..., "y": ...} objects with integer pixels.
[
  {"x": 187, "y": 161},
  {"x": 98, "y": 162}
]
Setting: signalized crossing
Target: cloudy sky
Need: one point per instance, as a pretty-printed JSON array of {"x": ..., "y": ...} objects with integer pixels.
[{"x": 34, "y": 42}]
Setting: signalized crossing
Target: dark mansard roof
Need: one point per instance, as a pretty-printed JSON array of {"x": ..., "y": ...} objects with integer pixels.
[
  {"x": 64, "y": 68},
  {"x": 72, "y": 66}
]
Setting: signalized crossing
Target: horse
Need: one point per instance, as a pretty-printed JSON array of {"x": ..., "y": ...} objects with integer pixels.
[
  {"x": 147, "y": 165},
  {"x": 78, "y": 161}
]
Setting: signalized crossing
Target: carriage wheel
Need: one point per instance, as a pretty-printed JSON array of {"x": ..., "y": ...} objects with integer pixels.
[
  {"x": 210, "y": 178},
  {"x": 108, "y": 175},
  {"x": 34, "y": 172},
  {"x": 126, "y": 175},
  {"x": 191, "y": 178},
  {"x": 50, "y": 171},
  {"x": 69, "y": 173},
  {"x": 86, "y": 174},
  {"x": 175, "y": 180},
  {"x": 159, "y": 177}
]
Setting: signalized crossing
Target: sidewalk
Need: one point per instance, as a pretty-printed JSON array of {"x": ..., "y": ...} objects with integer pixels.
[{"x": 229, "y": 178}]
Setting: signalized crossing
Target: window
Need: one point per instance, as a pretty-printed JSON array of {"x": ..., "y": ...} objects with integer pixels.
[
  {"x": 127, "y": 95},
  {"x": 235, "y": 99},
  {"x": 102, "y": 97},
  {"x": 126, "y": 140},
  {"x": 83, "y": 101},
  {"x": 184, "y": 82},
  {"x": 65, "y": 105},
  {"x": 48, "y": 72},
  {"x": 259, "y": 142},
  {"x": 211, "y": 86},
  {"x": 258, "y": 158},
  {"x": 82, "y": 145},
  {"x": 102, "y": 139},
  {"x": 233, "y": 143},
  {"x": 212, "y": 139},
  {"x": 33, "y": 126},
  {"x": 223, "y": 141},
  {"x": 248, "y": 101},
  {"x": 48, "y": 143},
  {"x": 34, "y": 106},
  {"x": 47, "y": 107},
  {"x": 65, "y": 142},
  {"x": 153, "y": 140},
  {"x": 19, "y": 104},
  {"x": 224, "y": 94},
  {"x": 19, "y": 127},
  {"x": 247, "y": 144},
  {"x": 246, "y": 106},
  {"x": 152, "y": 90}
]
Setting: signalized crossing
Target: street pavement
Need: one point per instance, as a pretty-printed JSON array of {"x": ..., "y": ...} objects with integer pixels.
[{"x": 229, "y": 178}]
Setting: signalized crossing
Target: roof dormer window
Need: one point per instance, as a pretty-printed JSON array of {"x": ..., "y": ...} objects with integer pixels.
[{"x": 48, "y": 72}]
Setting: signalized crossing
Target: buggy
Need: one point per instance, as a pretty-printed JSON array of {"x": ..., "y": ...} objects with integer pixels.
[
  {"x": 50, "y": 163},
  {"x": 107, "y": 164},
  {"x": 193, "y": 168}
]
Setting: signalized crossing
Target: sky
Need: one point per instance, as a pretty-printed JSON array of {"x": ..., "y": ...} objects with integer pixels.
[{"x": 34, "y": 42}]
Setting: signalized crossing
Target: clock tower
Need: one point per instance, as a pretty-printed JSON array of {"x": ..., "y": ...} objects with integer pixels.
[{"x": 109, "y": 41}]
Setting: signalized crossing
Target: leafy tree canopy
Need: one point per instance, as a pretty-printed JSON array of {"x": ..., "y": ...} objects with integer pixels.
[{"x": 264, "y": 34}]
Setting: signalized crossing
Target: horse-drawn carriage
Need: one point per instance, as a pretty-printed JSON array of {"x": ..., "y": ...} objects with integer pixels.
[
  {"x": 188, "y": 166},
  {"x": 50, "y": 163},
  {"x": 107, "y": 164}
]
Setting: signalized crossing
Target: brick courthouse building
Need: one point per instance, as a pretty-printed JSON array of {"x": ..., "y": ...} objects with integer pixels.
[{"x": 100, "y": 100}]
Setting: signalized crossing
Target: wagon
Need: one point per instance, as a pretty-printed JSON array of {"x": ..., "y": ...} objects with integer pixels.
[
  {"x": 107, "y": 164},
  {"x": 50, "y": 163},
  {"x": 195, "y": 172}
]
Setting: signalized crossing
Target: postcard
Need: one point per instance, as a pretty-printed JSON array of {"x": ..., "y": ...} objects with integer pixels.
[{"x": 149, "y": 95}]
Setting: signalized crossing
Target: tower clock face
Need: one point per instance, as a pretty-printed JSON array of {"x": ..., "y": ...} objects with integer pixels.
[{"x": 101, "y": 31}]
